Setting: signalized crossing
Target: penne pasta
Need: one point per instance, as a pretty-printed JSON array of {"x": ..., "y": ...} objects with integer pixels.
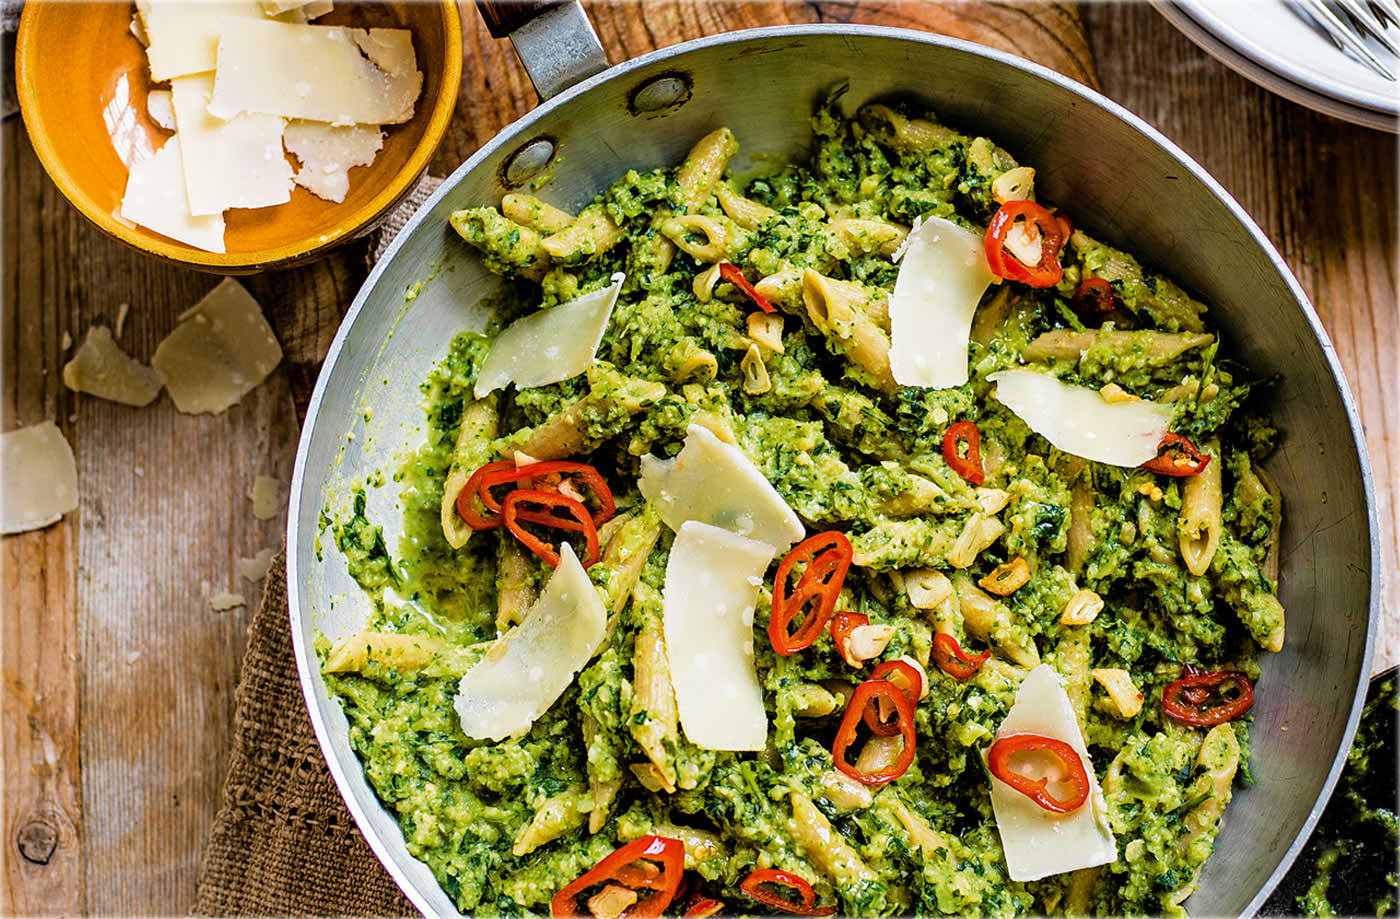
[
  {"x": 589, "y": 236},
  {"x": 1198, "y": 524},
  {"x": 704, "y": 166},
  {"x": 839, "y": 315},
  {"x": 529, "y": 211},
  {"x": 472, "y": 450}
]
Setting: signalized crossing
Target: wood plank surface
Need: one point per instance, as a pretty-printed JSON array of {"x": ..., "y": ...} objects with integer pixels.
[{"x": 118, "y": 678}]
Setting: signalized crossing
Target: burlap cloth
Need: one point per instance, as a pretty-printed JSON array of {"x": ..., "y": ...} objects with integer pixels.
[{"x": 283, "y": 842}]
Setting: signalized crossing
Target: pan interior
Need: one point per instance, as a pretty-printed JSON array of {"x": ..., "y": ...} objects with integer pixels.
[{"x": 1112, "y": 174}]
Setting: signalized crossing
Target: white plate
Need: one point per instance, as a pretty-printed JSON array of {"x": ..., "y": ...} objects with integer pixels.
[{"x": 1321, "y": 51}]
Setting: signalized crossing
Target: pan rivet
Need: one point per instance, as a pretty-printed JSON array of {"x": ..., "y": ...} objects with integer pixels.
[
  {"x": 660, "y": 93},
  {"x": 527, "y": 162}
]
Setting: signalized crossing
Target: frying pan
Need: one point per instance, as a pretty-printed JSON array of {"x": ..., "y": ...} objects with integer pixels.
[{"x": 1119, "y": 178}]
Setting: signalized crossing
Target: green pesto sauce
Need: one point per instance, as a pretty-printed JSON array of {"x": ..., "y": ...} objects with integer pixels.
[{"x": 842, "y": 454}]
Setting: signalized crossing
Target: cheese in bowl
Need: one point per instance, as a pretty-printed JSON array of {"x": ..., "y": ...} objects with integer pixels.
[
  {"x": 245, "y": 80},
  {"x": 861, "y": 537}
]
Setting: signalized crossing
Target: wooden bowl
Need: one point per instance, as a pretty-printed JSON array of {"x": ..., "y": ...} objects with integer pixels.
[{"x": 82, "y": 81}]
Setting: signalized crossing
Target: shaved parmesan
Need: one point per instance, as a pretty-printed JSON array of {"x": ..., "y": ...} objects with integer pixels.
[
  {"x": 183, "y": 37},
  {"x": 221, "y": 601},
  {"x": 228, "y": 163},
  {"x": 155, "y": 199},
  {"x": 530, "y": 666},
  {"x": 266, "y": 495},
  {"x": 549, "y": 345},
  {"x": 101, "y": 368},
  {"x": 1078, "y": 420},
  {"x": 222, "y": 348},
  {"x": 161, "y": 107},
  {"x": 715, "y": 483},
  {"x": 943, "y": 273},
  {"x": 316, "y": 72},
  {"x": 38, "y": 478},
  {"x": 327, "y": 154},
  {"x": 712, "y": 580},
  {"x": 255, "y": 568},
  {"x": 1037, "y": 842}
]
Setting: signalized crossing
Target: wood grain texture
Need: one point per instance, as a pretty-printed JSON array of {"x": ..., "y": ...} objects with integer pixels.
[{"x": 111, "y": 656}]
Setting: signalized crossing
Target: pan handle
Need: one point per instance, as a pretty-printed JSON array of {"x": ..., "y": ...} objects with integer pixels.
[{"x": 554, "y": 39}]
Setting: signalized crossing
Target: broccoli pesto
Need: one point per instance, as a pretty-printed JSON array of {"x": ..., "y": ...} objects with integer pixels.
[{"x": 1109, "y": 588}]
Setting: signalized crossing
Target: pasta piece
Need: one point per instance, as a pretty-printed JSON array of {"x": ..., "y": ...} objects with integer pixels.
[
  {"x": 858, "y": 236},
  {"x": 1198, "y": 523},
  {"x": 625, "y": 556},
  {"x": 1155, "y": 348},
  {"x": 703, "y": 167},
  {"x": 913, "y": 135},
  {"x": 603, "y": 790},
  {"x": 472, "y": 451},
  {"x": 992, "y": 500},
  {"x": 654, "y": 721},
  {"x": 567, "y": 433},
  {"x": 826, "y": 848},
  {"x": 1248, "y": 593},
  {"x": 748, "y": 214},
  {"x": 700, "y": 845},
  {"x": 588, "y": 237},
  {"x": 556, "y": 815},
  {"x": 514, "y": 592},
  {"x": 843, "y": 791},
  {"x": 716, "y": 425},
  {"x": 783, "y": 289},
  {"x": 918, "y": 496},
  {"x": 405, "y": 653},
  {"x": 1080, "y": 537},
  {"x": 990, "y": 621},
  {"x": 529, "y": 211},
  {"x": 1216, "y": 765},
  {"x": 837, "y": 313},
  {"x": 722, "y": 237},
  {"x": 506, "y": 247},
  {"x": 812, "y": 700},
  {"x": 1073, "y": 655},
  {"x": 688, "y": 362},
  {"x": 1081, "y": 890},
  {"x": 1166, "y": 304}
]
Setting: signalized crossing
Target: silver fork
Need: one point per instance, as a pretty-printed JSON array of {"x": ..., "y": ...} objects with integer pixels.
[{"x": 1346, "y": 35}]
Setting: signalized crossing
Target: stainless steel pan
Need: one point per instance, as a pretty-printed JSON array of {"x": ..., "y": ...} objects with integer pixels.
[{"x": 1114, "y": 173}]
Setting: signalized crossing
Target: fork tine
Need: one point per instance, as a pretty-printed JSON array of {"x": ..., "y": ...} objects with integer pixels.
[
  {"x": 1369, "y": 22},
  {"x": 1328, "y": 22},
  {"x": 1386, "y": 13}
]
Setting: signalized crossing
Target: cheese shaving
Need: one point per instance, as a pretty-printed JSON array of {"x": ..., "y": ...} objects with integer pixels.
[
  {"x": 551, "y": 344},
  {"x": 712, "y": 583},
  {"x": 38, "y": 478},
  {"x": 943, "y": 273},
  {"x": 101, "y": 368},
  {"x": 1078, "y": 420},
  {"x": 715, "y": 483},
  {"x": 221, "y": 350},
  {"x": 530, "y": 666}
]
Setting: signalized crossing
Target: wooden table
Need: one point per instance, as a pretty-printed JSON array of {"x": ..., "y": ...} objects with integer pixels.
[{"x": 118, "y": 678}]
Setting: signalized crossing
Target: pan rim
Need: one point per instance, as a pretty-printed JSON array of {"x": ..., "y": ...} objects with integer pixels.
[{"x": 305, "y": 657}]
